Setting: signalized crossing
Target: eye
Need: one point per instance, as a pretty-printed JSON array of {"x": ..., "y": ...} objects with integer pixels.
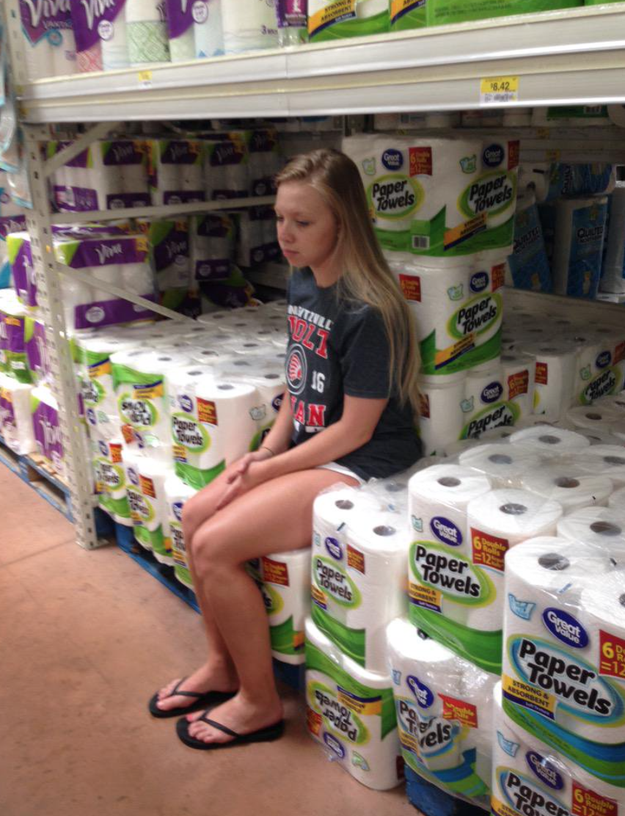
[
  {"x": 279, "y": 218},
  {"x": 303, "y": 223}
]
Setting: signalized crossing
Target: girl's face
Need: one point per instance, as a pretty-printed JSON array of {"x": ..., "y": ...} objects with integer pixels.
[{"x": 307, "y": 229}]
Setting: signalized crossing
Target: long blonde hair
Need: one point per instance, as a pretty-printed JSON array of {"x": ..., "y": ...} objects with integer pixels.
[{"x": 366, "y": 276}]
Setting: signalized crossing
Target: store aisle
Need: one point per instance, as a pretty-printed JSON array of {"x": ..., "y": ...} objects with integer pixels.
[{"x": 85, "y": 639}]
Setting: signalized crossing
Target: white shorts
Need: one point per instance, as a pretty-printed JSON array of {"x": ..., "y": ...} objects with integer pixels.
[{"x": 343, "y": 470}]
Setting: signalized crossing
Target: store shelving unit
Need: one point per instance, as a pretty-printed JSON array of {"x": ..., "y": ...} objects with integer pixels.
[{"x": 570, "y": 57}]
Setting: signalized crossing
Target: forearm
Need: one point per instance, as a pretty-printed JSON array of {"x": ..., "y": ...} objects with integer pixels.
[
  {"x": 326, "y": 446},
  {"x": 278, "y": 439}
]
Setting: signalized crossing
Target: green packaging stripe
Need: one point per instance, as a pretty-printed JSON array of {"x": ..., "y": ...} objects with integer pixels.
[
  {"x": 17, "y": 366},
  {"x": 469, "y": 785},
  {"x": 284, "y": 637},
  {"x": 482, "y": 648},
  {"x": 195, "y": 477},
  {"x": 143, "y": 536},
  {"x": 130, "y": 376},
  {"x": 490, "y": 350},
  {"x": 354, "y": 27},
  {"x": 581, "y": 751},
  {"x": 410, "y": 14},
  {"x": 183, "y": 575},
  {"x": 443, "y": 12},
  {"x": 350, "y": 641},
  {"x": 316, "y": 660},
  {"x": 115, "y": 507}
]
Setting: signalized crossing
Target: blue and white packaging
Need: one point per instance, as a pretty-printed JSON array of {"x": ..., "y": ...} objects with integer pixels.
[
  {"x": 578, "y": 250},
  {"x": 613, "y": 276},
  {"x": 528, "y": 266}
]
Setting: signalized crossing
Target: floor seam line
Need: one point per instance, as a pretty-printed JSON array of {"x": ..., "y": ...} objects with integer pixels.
[{"x": 35, "y": 554}]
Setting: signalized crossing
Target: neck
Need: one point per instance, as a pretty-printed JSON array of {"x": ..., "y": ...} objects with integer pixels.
[{"x": 327, "y": 274}]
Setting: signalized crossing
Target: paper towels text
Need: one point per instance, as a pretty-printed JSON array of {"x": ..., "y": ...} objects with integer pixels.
[
  {"x": 332, "y": 580},
  {"x": 529, "y": 800},
  {"x": 446, "y": 572},
  {"x": 339, "y": 715}
]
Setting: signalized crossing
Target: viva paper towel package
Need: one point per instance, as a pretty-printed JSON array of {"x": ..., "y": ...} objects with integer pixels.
[
  {"x": 12, "y": 338},
  {"x": 563, "y": 674},
  {"x": 334, "y": 20},
  {"x": 169, "y": 251},
  {"x": 49, "y": 45},
  {"x": 284, "y": 582},
  {"x": 351, "y": 713},
  {"x": 148, "y": 38},
  {"x": 195, "y": 29},
  {"x": 358, "y": 573},
  {"x": 16, "y": 425},
  {"x": 226, "y": 166},
  {"x": 443, "y": 12},
  {"x": 37, "y": 352},
  {"x": 44, "y": 411},
  {"x": 176, "y": 494},
  {"x": 458, "y": 310},
  {"x": 22, "y": 269},
  {"x": 175, "y": 171},
  {"x": 439, "y": 197},
  {"x": 528, "y": 266},
  {"x": 100, "y": 31},
  {"x": 530, "y": 777},
  {"x": 461, "y": 533},
  {"x": 443, "y": 705}
]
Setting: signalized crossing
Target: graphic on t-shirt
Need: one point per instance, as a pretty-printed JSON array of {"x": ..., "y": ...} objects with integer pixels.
[{"x": 296, "y": 370}]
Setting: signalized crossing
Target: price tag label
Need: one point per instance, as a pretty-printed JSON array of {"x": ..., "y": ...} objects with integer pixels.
[
  {"x": 145, "y": 79},
  {"x": 499, "y": 90}
]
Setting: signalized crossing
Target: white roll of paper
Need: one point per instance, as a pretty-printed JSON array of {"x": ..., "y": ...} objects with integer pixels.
[
  {"x": 505, "y": 465},
  {"x": 550, "y": 440}
]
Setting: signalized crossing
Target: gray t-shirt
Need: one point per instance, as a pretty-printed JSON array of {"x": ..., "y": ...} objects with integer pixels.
[{"x": 337, "y": 349}]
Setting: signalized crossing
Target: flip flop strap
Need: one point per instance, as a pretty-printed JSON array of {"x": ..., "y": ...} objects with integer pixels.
[
  {"x": 219, "y": 726},
  {"x": 177, "y": 693}
]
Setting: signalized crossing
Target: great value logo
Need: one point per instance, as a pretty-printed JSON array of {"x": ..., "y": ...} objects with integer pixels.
[
  {"x": 479, "y": 281},
  {"x": 565, "y": 628},
  {"x": 604, "y": 359},
  {"x": 446, "y": 531},
  {"x": 186, "y": 403},
  {"x": 334, "y": 548},
  {"x": 334, "y": 745},
  {"x": 491, "y": 393},
  {"x": 177, "y": 510},
  {"x": 544, "y": 770},
  {"x": 423, "y": 695},
  {"x": 493, "y": 155},
  {"x": 392, "y": 159}
]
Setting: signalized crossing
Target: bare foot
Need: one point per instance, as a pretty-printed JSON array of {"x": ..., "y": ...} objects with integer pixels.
[
  {"x": 206, "y": 678},
  {"x": 239, "y": 714}
]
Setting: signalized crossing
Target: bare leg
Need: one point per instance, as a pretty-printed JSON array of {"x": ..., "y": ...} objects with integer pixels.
[{"x": 273, "y": 517}]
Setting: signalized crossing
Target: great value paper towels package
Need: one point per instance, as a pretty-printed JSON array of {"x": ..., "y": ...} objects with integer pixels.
[
  {"x": 436, "y": 197},
  {"x": 563, "y": 680},
  {"x": 177, "y": 493},
  {"x": 359, "y": 558},
  {"x": 110, "y": 479},
  {"x": 531, "y": 777},
  {"x": 329, "y": 20},
  {"x": 351, "y": 713},
  {"x": 443, "y": 705},
  {"x": 284, "y": 582},
  {"x": 462, "y": 532},
  {"x": 443, "y": 12}
]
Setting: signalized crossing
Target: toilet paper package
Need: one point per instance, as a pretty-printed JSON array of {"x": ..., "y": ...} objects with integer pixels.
[
  {"x": 328, "y": 20},
  {"x": 458, "y": 312},
  {"x": 16, "y": 424},
  {"x": 175, "y": 171},
  {"x": 351, "y": 713},
  {"x": 562, "y": 674},
  {"x": 530, "y": 776},
  {"x": 439, "y": 198},
  {"x": 212, "y": 246},
  {"x": 101, "y": 37},
  {"x": 569, "y": 485},
  {"x": 44, "y": 411},
  {"x": 254, "y": 30},
  {"x": 528, "y": 265},
  {"x": 110, "y": 479},
  {"x": 142, "y": 402},
  {"x": 358, "y": 574},
  {"x": 441, "y": 12},
  {"x": 554, "y": 375},
  {"x": 408, "y": 14},
  {"x": 177, "y": 493},
  {"x": 284, "y": 582},
  {"x": 49, "y": 44},
  {"x": 443, "y": 705},
  {"x": 503, "y": 464},
  {"x": 602, "y": 527},
  {"x": 580, "y": 231},
  {"x": 147, "y": 31}
]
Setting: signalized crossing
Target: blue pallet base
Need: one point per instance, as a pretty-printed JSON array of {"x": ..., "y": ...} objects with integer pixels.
[
  {"x": 290, "y": 675},
  {"x": 433, "y": 801}
]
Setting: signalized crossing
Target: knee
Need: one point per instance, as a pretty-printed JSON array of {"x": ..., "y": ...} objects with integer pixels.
[
  {"x": 194, "y": 514},
  {"x": 209, "y": 548}
]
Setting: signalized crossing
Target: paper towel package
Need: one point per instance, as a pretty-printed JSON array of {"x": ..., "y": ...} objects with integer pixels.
[
  {"x": 37, "y": 352},
  {"x": 176, "y": 494},
  {"x": 613, "y": 272},
  {"x": 44, "y": 411},
  {"x": 212, "y": 240},
  {"x": 327, "y": 21},
  {"x": 15, "y": 418},
  {"x": 443, "y": 705},
  {"x": 406, "y": 16},
  {"x": 503, "y": 464},
  {"x": 603, "y": 527},
  {"x": 554, "y": 376},
  {"x": 487, "y": 405},
  {"x": 562, "y": 674},
  {"x": 351, "y": 713},
  {"x": 265, "y": 160},
  {"x": 140, "y": 510},
  {"x": 458, "y": 311},
  {"x": 49, "y": 44},
  {"x": 440, "y": 414},
  {"x": 175, "y": 170},
  {"x": 528, "y": 265},
  {"x": 101, "y": 37},
  {"x": 359, "y": 558},
  {"x": 13, "y": 356},
  {"x": 569, "y": 485},
  {"x": 550, "y": 440},
  {"x": 226, "y": 166},
  {"x": 146, "y": 25},
  {"x": 110, "y": 478},
  {"x": 531, "y": 777},
  {"x": 195, "y": 31},
  {"x": 254, "y": 30},
  {"x": 439, "y": 198},
  {"x": 169, "y": 251},
  {"x": 284, "y": 582},
  {"x": 580, "y": 232},
  {"x": 441, "y": 12},
  {"x": 152, "y": 478}
]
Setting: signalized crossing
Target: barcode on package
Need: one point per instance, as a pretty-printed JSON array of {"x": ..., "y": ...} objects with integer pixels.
[{"x": 420, "y": 241}]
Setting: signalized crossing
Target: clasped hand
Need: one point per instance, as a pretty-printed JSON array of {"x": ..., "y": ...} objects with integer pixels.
[{"x": 243, "y": 475}]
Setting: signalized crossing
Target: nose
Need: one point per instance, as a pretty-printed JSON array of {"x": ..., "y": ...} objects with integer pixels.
[{"x": 285, "y": 233}]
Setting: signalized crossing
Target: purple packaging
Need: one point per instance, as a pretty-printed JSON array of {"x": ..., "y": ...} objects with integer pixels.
[
  {"x": 291, "y": 13},
  {"x": 11, "y": 223},
  {"x": 215, "y": 227},
  {"x": 179, "y": 17},
  {"x": 102, "y": 251},
  {"x": 40, "y": 19},
  {"x": 94, "y": 21},
  {"x": 37, "y": 357},
  {"x": 109, "y": 312},
  {"x": 126, "y": 153},
  {"x": 47, "y": 430},
  {"x": 21, "y": 260}
]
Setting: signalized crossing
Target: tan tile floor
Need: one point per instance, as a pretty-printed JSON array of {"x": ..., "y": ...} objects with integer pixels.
[{"x": 85, "y": 639}]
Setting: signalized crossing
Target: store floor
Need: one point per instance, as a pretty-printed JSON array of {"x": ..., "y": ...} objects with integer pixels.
[{"x": 85, "y": 639}]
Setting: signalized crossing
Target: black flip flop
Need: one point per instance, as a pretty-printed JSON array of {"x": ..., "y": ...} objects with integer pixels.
[
  {"x": 202, "y": 700},
  {"x": 267, "y": 734}
]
